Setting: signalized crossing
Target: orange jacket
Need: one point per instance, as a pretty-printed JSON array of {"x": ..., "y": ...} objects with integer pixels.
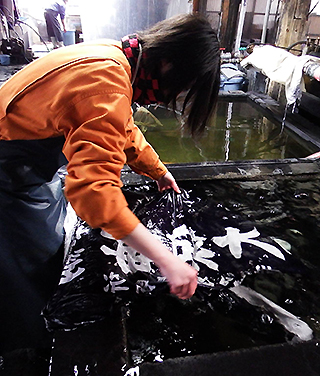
[{"x": 84, "y": 93}]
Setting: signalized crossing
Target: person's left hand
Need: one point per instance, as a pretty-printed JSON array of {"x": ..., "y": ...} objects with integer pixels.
[{"x": 167, "y": 181}]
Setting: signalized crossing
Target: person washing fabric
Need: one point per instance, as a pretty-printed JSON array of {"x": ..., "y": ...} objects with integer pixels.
[
  {"x": 74, "y": 106},
  {"x": 51, "y": 14}
]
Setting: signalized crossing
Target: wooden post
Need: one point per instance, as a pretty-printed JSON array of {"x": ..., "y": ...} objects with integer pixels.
[
  {"x": 293, "y": 22},
  {"x": 292, "y": 28},
  {"x": 199, "y": 6},
  {"x": 195, "y": 6},
  {"x": 228, "y": 29}
]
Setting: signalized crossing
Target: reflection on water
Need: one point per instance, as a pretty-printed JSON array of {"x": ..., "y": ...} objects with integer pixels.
[{"x": 237, "y": 132}]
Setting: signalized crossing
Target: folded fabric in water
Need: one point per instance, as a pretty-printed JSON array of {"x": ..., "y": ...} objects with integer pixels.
[
  {"x": 101, "y": 272},
  {"x": 281, "y": 66}
]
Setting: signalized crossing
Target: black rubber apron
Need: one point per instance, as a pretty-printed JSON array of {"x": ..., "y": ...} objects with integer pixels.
[{"x": 31, "y": 237}]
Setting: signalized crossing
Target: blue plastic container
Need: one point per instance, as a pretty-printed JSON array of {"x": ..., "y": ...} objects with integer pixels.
[
  {"x": 69, "y": 37},
  {"x": 4, "y": 59},
  {"x": 231, "y": 78},
  {"x": 231, "y": 84}
]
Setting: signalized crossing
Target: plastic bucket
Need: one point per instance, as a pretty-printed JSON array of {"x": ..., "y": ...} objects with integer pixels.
[{"x": 69, "y": 37}]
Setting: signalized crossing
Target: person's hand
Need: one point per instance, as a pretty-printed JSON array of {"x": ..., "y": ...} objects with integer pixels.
[
  {"x": 181, "y": 277},
  {"x": 167, "y": 181}
]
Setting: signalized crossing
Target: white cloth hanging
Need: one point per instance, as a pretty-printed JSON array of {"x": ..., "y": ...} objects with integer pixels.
[{"x": 281, "y": 66}]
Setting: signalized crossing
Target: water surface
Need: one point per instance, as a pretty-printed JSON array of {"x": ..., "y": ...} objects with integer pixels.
[{"x": 238, "y": 131}]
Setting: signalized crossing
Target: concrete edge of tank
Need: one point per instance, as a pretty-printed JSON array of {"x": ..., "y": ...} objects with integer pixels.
[
  {"x": 294, "y": 359},
  {"x": 257, "y": 169}
]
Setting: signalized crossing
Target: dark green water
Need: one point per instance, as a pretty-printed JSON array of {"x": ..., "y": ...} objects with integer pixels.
[{"x": 238, "y": 132}]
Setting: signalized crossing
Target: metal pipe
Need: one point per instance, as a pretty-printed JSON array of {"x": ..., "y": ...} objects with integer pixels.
[
  {"x": 243, "y": 8},
  {"x": 265, "y": 21}
]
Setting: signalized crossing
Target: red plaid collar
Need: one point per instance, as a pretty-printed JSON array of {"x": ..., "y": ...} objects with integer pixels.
[{"x": 145, "y": 88}]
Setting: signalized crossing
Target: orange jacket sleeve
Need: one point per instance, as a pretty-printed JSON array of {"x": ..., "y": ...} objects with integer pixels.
[
  {"x": 141, "y": 157},
  {"x": 98, "y": 132}
]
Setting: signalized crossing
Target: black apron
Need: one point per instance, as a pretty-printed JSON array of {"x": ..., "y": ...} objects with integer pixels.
[{"x": 32, "y": 212}]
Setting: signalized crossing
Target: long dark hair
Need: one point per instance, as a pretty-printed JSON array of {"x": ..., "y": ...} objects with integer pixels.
[{"x": 190, "y": 47}]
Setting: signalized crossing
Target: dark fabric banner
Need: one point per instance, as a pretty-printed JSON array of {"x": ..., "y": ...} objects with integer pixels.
[{"x": 224, "y": 245}]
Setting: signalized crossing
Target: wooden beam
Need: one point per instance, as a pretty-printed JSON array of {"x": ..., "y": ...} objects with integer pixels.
[
  {"x": 199, "y": 6},
  {"x": 195, "y": 6},
  {"x": 293, "y": 22},
  {"x": 228, "y": 29},
  {"x": 292, "y": 28}
]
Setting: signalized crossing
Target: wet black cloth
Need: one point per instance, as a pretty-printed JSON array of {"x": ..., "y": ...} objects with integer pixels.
[
  {"x": 101, "y": 272},
  {"x": 31, "y": 237}
]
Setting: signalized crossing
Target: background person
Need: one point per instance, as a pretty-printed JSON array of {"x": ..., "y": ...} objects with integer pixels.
[{"x": 52, "y": 13}]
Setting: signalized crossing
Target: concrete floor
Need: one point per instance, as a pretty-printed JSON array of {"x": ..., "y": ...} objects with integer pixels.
[{"x": 6, "y": 71}]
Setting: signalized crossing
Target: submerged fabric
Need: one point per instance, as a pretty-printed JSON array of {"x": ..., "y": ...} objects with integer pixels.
[{"x": 224, "y": 247}]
